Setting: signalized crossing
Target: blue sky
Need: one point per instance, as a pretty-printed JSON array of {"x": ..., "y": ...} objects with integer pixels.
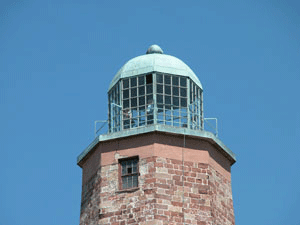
[{"x": 57, "y": 59}]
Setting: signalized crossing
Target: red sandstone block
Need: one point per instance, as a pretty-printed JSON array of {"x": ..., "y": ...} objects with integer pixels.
[
  {"x": 148, "y": 191},
  {"x": 152, "y": 170},
  {"x": 193, "y": 174},
  {"x": 160, "y": 217},
  {"x": 171, "y": 171},
  {"x": 151, "y": 159},
  {"x": 205, "y": 208},
  {"x": 176, "y": 178},
  {"x": 169, "y": 166},
  {"x": 177, "y": 203},
  {"x": 151, "y": 180},
  {"x": 188, "y": 163},
  {"x": 178, "y": 183},
  {"x": 188, "y": 184},
  {"x": 131, "y": 221},
  {"x": 201, "y": 223},
  {"x": 190, "y": 179},
  {"x": 178, "y": 172},
  {"x": 191, "y": 195},
  {"x": 175, "y": 161},
  {"x": 202, "y": 165},
  {"x": 158, "y": 164},
  {"x": 176, "y": 214},
  {"x": 160, "y": 185},
  {"x": 166, "y": 197},
  {"x": 196, "y": 170}
]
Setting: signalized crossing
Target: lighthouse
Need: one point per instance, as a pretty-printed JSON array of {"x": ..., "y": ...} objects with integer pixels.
[{"x": 156, "y": 164}]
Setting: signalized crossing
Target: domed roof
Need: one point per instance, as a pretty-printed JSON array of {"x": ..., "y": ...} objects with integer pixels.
[{"x": 155, "y": 61}]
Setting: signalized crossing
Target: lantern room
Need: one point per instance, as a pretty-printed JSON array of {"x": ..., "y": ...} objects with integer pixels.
[{"x": 155, "y": 88}]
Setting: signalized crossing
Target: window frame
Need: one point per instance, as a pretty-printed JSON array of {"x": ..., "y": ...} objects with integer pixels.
[{"x": 127, "y": 175}]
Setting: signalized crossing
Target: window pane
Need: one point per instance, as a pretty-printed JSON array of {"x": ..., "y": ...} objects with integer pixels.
[
  {"x": 168, "y": 100},
  {"x": 149, "y": 89},
  {"x": 142, "y": 90},
  {"x": 149, "y": 79},
  {"x": 159, "y": 88},
  {"x": 183, "y": 102},
  {"x": 124, "y": 183},
  {"x": 133, "y": 92},
  {"x": 168, "y": 107},
  {"x": 176, "y": 91},
  {"x": 134, "y": 169},
  {"x": 160, "y": 108},
  {"x": 176, "y": 101},
  {"x": 123, "y": 165},
  {"x": 135, "y": 181},
  {"x": 141, "y": 100},
  {"x": 183, "y": 82},
  {"x": 133, "y": 82},
  {"x": 183, "y": 92},
  {"x": 133, "y": 102},
  {"x": 126, "y": 83},
  {"x": 160, "y": 99},
  {"x": 126, "y": 93},
  {"x": 167, "y": 79},
  {"x": 175, "y": 80},
  {"x": 159, "y": 78},
  {"x": 141, "y": 80},
  {"x": 149, "y": 99},
  {"x": 168, "y": 90},
  {"x": 129, "y": 180},
  {"x": 125, "y": 103}
]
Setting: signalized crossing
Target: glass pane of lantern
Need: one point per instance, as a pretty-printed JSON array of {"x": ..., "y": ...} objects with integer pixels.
[
  {"x": 126, "y": 93},
  {"x": 126, "y": 83},
  {"x": 141, "y": 90},
  {"x": 168, "y": 100},
  {"x": 160, "y": 99},
  {"x": 176, "y": 91},
  {"x": 142, "y": 101},
  {"x": 133, "y": 82},
  {"x": 183, "y": 102},
  {"x": 126, "y": 103},
  {"x": 175, "y": 81},
  {"x": 168, "y": 90},
  {"x": 159, "y": 88},
  {"x": 133, "y": 92},
  {"x": 167, "y": 79},
  {"x": 176, "y": 101},
  {"x": 159, "y": 78},
  {"x": 133, "y": 102},
  {"x": 149, "y": 89},
  {"x": 183, "y": 92},
  {"x": 141, "y": 80},
  {"x": 183, "y": 82}
]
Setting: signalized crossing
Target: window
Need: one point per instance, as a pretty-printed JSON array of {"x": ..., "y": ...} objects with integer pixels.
[
  {"x": 129, "y": 171},
  {"x": 172, "y": 100}
]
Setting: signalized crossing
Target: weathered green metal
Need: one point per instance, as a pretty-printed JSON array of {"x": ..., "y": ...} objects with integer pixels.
[{"x": 155, "y": 61}]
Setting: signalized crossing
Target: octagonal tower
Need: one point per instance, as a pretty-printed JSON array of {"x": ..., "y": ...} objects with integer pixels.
[{"x": 156, "y": 164}]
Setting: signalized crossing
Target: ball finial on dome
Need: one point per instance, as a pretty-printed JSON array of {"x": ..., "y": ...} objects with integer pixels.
[{"x": 154, "y": 49}]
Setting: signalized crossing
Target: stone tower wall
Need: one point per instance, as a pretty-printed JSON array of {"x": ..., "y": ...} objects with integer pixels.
[{"x": 203, "y": 179}]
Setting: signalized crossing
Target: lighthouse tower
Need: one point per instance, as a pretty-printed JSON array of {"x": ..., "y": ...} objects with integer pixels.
[{"x": 156, "y": 164}]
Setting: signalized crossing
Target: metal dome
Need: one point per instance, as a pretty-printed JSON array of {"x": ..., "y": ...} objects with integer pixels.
[{"x": 155, "y": 61}]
